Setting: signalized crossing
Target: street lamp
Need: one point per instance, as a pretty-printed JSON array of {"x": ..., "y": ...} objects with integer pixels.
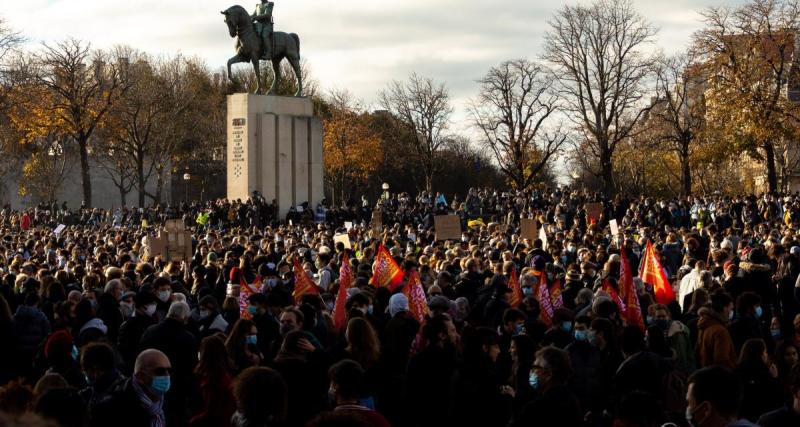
[{"x": 186, "y": 179}]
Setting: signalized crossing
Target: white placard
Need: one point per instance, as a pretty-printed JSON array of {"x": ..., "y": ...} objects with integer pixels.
[
  {"x": 614, "y": 228},
  {"x": 59, "y": 229},
  {"x": 543, "y": 237},
  {"x": 348, "y": 225},
  {"x": 344, "y": 238}
]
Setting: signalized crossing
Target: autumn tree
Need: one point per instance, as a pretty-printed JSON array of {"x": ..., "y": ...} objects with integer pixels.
[
  {"x": 70, "y": 92},
  {"x": 45, "y": 168},
  {"x": 353, "y": 150},
  {"x": 748, "y": 54},
  {"x": 515, "y": 105},
  {"x": 423, "y": 107},
  {"x": 597, "y": 55},
  {"x": 679, "y": 111}
]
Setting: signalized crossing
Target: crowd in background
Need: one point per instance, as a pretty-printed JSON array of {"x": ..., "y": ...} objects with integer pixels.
[{"x": 96, "y": 330}]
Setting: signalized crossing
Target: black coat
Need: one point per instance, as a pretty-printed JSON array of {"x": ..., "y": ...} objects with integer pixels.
[
  {"x": 130, "y": 334},
  {"x": 180, "y": 346},
  {"x": 122, "y": 409},
  {"x": 557, "y": 407},
  {"x": 108, "y": 311},
  {"x": 428, "y": 384}
]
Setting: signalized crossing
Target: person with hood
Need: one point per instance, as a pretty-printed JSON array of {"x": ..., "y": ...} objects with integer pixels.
[
  {"x": 677, "y": 336},
  {"x": 209, "y": 319},
  {"x": 90, "y": 328},
  {"x": 30, "y": 329},
  {"x": 714, "y": 344},
  {"x": 398, "y": 335}
]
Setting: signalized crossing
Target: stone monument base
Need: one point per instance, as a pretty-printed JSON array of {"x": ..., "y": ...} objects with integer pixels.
[{"x": 275, "y": 148}]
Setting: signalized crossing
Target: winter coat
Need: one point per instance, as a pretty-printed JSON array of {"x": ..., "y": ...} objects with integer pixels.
[
  {"x": 679, "y": 339},
  {"x": 30, "y": 329},
  {"x": 714, "y": 343}
]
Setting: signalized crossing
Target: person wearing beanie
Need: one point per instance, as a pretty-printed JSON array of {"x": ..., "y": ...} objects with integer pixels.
[{"x": 62, "y": 357}]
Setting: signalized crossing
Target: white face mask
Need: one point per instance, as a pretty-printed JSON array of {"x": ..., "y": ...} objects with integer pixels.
[
  {"x": 126, "y": 308},
  {"x": 150, "y": 309},
  {"x": 164, "y": 295}
]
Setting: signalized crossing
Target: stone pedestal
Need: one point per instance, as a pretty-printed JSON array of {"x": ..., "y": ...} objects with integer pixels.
[{"x": 275, "y": 148}]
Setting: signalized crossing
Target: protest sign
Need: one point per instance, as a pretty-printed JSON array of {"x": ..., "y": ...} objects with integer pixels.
[
  {"x": 528, "y": 229},
  {"x": 448, "y": 227}
]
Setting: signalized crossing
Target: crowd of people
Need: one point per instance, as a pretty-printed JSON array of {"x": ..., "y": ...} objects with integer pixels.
[{"x": 98, "y": 330}]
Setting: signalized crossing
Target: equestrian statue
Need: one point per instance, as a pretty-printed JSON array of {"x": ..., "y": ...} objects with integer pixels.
[{"x": 255, "y": 41}]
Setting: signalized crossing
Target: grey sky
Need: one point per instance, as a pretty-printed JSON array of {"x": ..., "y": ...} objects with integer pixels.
[{"x": 358, "y": 45}]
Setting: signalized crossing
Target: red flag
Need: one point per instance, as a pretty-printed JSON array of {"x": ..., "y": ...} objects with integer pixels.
[
  {"x": 302, "y": 283},
  {"x": 417, "y": 304},
  {"x": 555, "y": 294},
  {"x": 653, "y": 273},
  {"x": 614, "y": 296},
  {"x": 245, "y": 291},
  {"x": 345, "y": 282},
  {"x": 633, "y": 312},
  {"x": 542, "y": 292},
  {"x": 385, "y": 271},
  {"x": 516, "y": 291}
]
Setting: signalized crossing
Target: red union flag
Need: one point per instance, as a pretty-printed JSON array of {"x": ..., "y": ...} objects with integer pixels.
[
  {"x": 555, "y": 294},
  {"x": 542, "y": 293},
  {"x": 652, "y": 273},
  {"x": 607, "y": 288},
  {"x": 345, "y": 282},
  {"x": 417, "y": 304},
  {"x": 302, "y": 283},
  {"x": 633, "y": 312},
  {"x": 385, "y": 271},
  {"x": 516, "y": 291}
]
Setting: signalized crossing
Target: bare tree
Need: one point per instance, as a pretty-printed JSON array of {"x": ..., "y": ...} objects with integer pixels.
[
  {"x": 82, "y": 87},
  {"x": 679, "y": 112},
  {"x": 511, "y": 111},
  {"x": 424, "y": 107},
  {"x": 596, "y": 54}
]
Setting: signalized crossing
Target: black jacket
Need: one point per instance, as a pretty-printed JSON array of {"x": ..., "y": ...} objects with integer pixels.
[
  {"x": 130, "y": 334},
  {"x": 557, "y": 407}
]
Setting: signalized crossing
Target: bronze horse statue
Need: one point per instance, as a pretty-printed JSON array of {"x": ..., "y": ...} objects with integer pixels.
[{"x": 249, "y": 48}]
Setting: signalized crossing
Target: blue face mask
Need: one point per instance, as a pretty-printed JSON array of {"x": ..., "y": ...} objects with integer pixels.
[
  {"x": 527, "y": 291},
  {"x": 369, "y": 309},
  {"x": 533, "y": 380},
  {"x": 776, "y": 334},
  {"x": 518, "y": 329},
  {"x": 581, "y": 335},
  {"x": 75, "y": 353},
  {"x": 759, "y": 312},
  {"x": 252, "y": 310},
  {"x": 566, "y": 326},
  {"x": 160, "y": 385},
  {"x": 252, "y": 339},
  {"x": 272, "y": 282},
  {"x": 649, "y": 319}
]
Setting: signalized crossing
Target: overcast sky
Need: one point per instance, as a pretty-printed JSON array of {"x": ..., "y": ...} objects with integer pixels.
[{"x": 358, "y": 45}]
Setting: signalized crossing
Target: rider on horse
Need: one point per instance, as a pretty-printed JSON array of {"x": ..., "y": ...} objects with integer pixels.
[{"x": 262, "y": 20}]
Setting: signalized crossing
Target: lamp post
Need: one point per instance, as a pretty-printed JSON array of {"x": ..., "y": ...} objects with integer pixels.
[{"x": 186, "y": 178}]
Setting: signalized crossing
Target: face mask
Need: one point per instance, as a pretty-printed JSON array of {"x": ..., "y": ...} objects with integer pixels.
[
  {"x": 93, "y": 302},
  {"x": 150, "y": 309},
  {"x": 581, "y": 335},
  {"x": 126, "y": 308},
  {"x": 518, "y": 329},
  {"x": 252, "y": 310},
  {"x": 690, "y": 417},
  {"x": 160, "y": 385},
  {"x": 566, "y": 326},
  {"x": 759, "y": 312},
  {"x": 75, "y": 353},
  {"x": 204, "y": 313},
  {"x": 663, "y": 324},
  {"x": 164, "y": 295},
  {"x": 369, "y": 309},
  {"x": 527, "y": 291},
  {"x": 533, "y": 380},
  {"x": 649, "y": 319},
  {"x": 776, "y": 334},
  {"x": 272, "y": 283},
  {"x": 330, "y": 306},
  {"x": 251, "y": 339},
  {"x": 730, "y": 315}
]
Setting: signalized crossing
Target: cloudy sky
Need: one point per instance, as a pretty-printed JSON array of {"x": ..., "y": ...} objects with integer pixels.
[{"x": 358, "y": 45}]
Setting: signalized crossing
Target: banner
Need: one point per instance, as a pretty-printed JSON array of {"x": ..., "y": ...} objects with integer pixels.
[
  {"x": 385, "y": 271},
  {"x": 345, "y": 282},
  {"x": 516, "y": 290},
  {"x": 417, "y": 304},
  {"x": 633, "y": 312},
  {"x": 653, "y": 273},
  {"x": 302, "y": 283}
]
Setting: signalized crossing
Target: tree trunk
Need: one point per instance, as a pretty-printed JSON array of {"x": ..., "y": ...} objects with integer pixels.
[
  {"x": 686, "y": 174},
  {"x": 85, "y": 177},
  {"x": 607, "y": 172},
  {"x": 772, "y": 176},
  {"x": 141, "y": 183},
  {"x": 122, "y": 195}
]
